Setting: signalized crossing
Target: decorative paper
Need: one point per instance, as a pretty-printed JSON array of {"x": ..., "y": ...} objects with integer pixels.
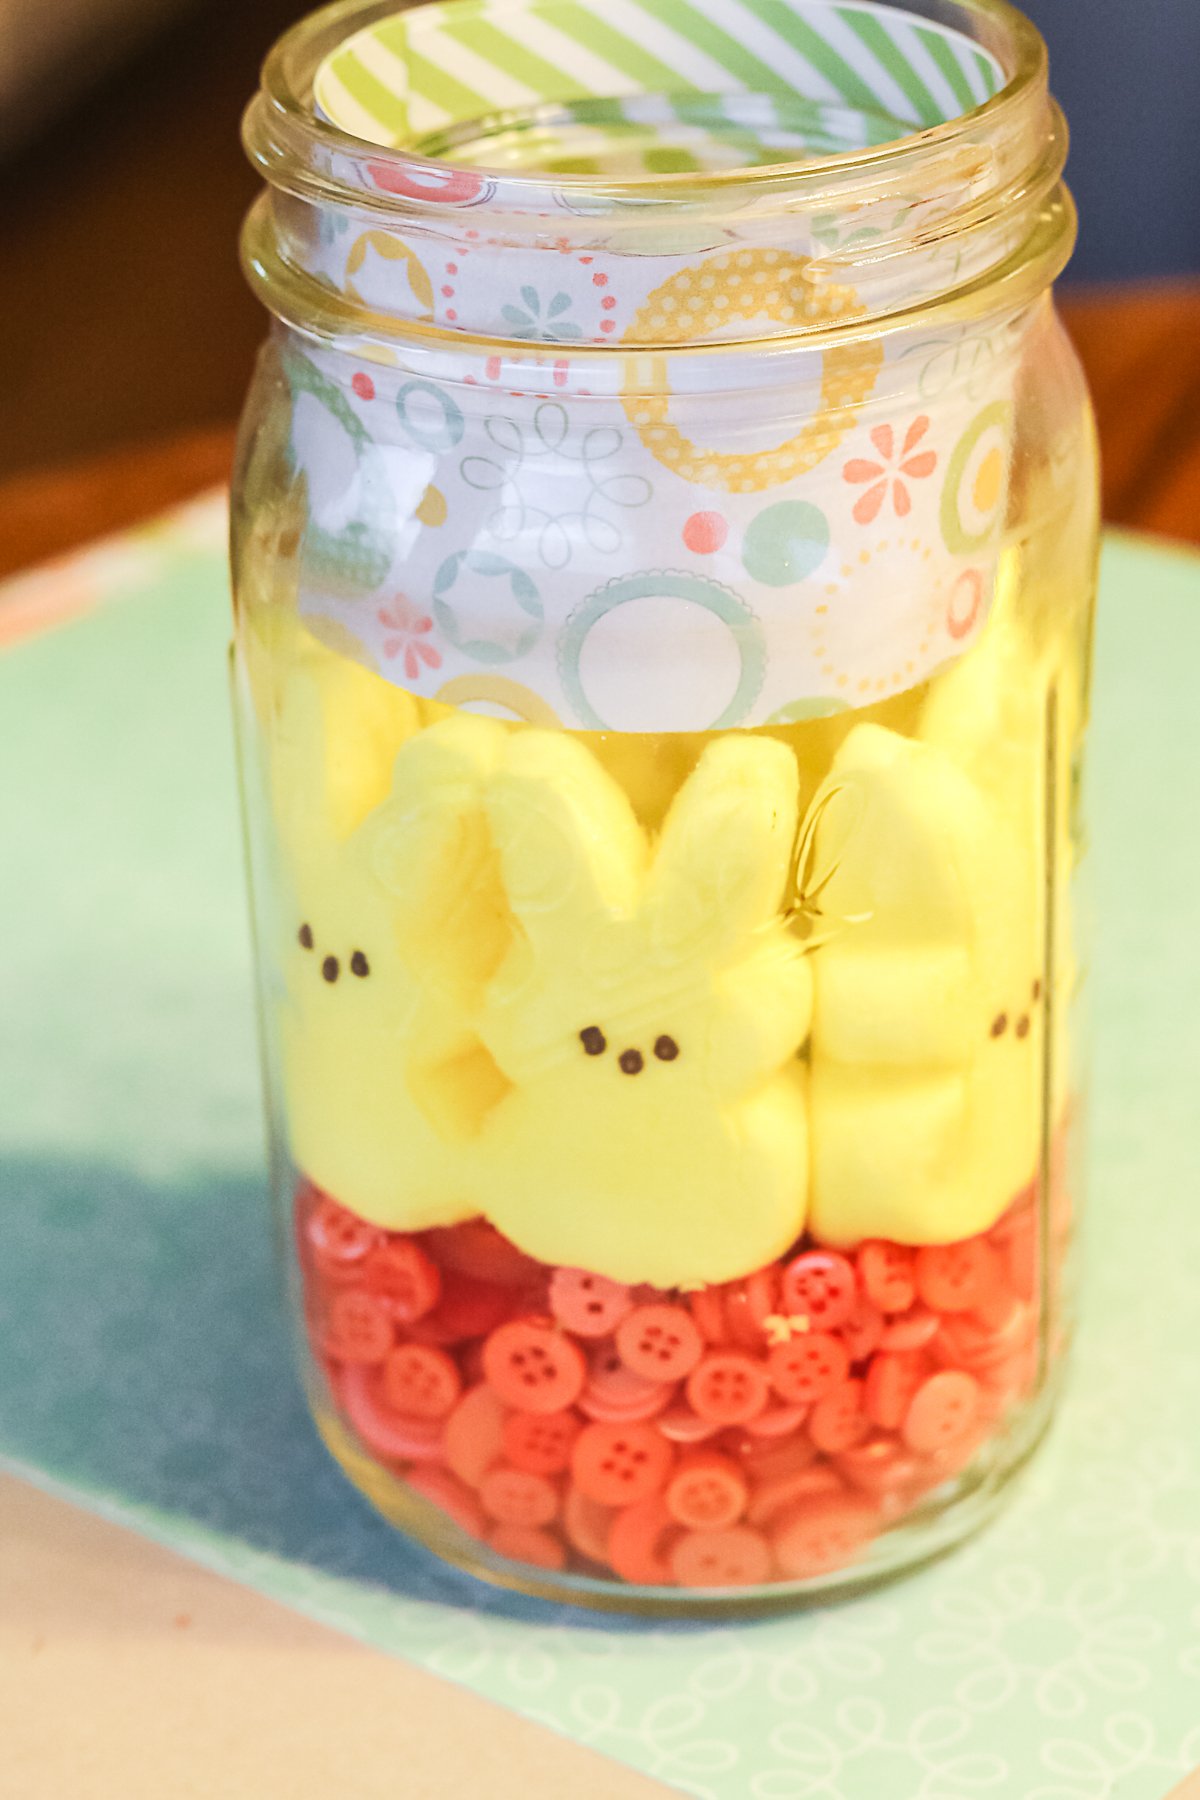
[{"x": 145, "y": 1368}]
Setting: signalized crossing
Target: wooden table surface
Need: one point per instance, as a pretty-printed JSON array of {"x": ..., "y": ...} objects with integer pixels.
[{"x": 1140, "y": 348}]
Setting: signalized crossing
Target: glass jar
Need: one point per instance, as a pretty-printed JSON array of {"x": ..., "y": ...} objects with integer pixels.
[{"x": 664, "y": 537}]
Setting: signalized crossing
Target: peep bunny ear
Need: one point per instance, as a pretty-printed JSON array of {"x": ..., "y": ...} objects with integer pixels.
[
  {"x": 333, "y": 740},
  {"x": 725, "y": 854},
  {"x": 429, "y": 848},
  {"x": 571, "y": 850}
]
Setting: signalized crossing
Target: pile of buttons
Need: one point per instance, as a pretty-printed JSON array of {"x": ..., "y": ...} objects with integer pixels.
[{"x": 765, "y": 1430}]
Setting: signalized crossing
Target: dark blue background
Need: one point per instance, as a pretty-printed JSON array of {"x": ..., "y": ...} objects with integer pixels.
[{"x": 1127, "y": 74}]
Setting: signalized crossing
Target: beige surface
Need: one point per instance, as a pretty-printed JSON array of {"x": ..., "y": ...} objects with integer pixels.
[{"x": 128, "y": 1674}]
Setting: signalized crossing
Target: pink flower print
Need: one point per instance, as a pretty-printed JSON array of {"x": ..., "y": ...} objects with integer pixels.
[
  {"x": 898, "y": 469},
  {"x": 409, "y": 628}
]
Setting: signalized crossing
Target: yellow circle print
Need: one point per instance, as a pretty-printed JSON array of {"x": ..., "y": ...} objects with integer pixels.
[{"x": 693, "y": 306}]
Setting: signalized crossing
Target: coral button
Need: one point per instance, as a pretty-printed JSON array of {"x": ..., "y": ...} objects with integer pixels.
[
  {"x": 838, "y": 1421},
  {"x": 474, "y": 1437},
  {"x": 749, "y": 1304},
  {"x": 615, "y": 1395},
  {"x": 421, "y": 1382},
  {"x": 468, "y": 1308},
  {"x": 589, "y": 1305},
  {"x": 784, "y": 1492},
  {"x": 911, "y": 1330},
  {"x": 359, "y": 1327},
  {"x": 452, "y": 1495},
  {"x": 942, "y": 1410},
  {"x": 660, "y": 1343},
  {"x": 587, "y": 1525},
  {"x": 887, "y": 1274},
  {"x": 515, "y": 1497},
  {"x": 823, "y": 1535},
  {"x": 477, "y": 1249},
  {"x": 340, "y": 1242},
  {"x": 777, "y": 1422},
  {"x": 528, "y": 1544},
  {"x": 807, "y": 1366},
  {"x": 706, "y": 1492},
  {"x": 683, "y": 1426},
  {"x": 891, "y": 1383},
  {"x": 738, "y": 1557},
  {"x": 708, "y": 1310},
  {"x": 819, "y": 1286},
  {"x": 533, "y": 1367},
  {"x": 956, "y": 1277},
  {"x": 410, "y": 1279},
  {"x": 862, "y": 1332},
  {"x": 879, "y": 1466},
  {"x": 540, "y": 1443},
  {"x": 728, "y": 1387},
  {"x": 386, "y": 1433},
  {"x": 619, "y": 1465},
  {"x": 637, "y": 1541}
]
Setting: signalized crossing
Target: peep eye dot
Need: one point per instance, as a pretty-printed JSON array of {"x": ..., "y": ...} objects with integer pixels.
[
  {"x": 329, "y": 968},
  {"x": 593, "y": 1040},
  {"x": 665, "y": 1048},
  {"x": 306, "y": 937},
  {"x": 359, "y": 964}
]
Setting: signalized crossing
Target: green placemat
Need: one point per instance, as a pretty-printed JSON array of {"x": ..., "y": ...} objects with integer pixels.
[{"x": 143, "y": 1364}]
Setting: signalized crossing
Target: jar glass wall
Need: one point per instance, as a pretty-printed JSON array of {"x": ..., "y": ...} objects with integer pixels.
[{"x": 663, "y": 546}]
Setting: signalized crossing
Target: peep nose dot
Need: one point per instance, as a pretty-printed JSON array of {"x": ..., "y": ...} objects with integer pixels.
[
  {"x": 631, "y": 1062},
  {"x": 329, "y": 968}
]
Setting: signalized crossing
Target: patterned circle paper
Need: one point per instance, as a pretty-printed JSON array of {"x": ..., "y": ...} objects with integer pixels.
[{"x": 457, "y": 526}]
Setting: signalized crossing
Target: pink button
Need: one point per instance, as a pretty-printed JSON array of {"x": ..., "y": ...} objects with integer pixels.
[
  {"x": 587, "y": 1525},
  {"x": 862, "y": 1332},
  {"x": 956, "y": 1277},
  {"x": 358, "y": 1327},
  {"x": 540, "y": 1443},
  {"x": 890, "y": 1386},
  {"x": 340, "y": 1241},
  {"x": 618, "y": 1465},
  {"x": 421, "y": 1382},
  {"x": 708, "y": 1310},
  {"x": 660, "y": 1343},
  {"x": 528, "y": 1544},
  {"x": 838, "y": 1421},
  {"x": 515, "y": 1497},
  {"x": 533, "y": 1367},
  {"x": 911, "y": 1330},
  {"x": 887, "y": 1274},
  {"x": 942, "y": 1410},
  {"x": 737, "y": 1557},
  {"x": 707, "y": 1491},
  {"x": 589, "y": 1305},
  {"x": 819, "y": 1286},
  {"x": 638, "y": 1539},
  {"x": 402, "y": 1271},
  {"x": 477, "y": 1249},
  {"x": 823, "y": 1535},
  {"x": 453, "y": 1496},
  {"x": 728, "y": 1387},
  {"x": 615, "y": 1395},
  {"x": 387, "y": 1434},
  {"x": 474, "y": 1435},
  {"x": 807, "y": 1366}
]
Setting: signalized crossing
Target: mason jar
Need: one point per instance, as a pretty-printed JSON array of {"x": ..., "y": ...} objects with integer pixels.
[{"x": 663, "y": 535}]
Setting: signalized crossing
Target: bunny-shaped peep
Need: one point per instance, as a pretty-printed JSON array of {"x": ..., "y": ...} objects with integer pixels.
[
  {"x": 647, "y": 1016},
  {"x": 394, "y": 920},
  {"x": 928, "y": 1046}
]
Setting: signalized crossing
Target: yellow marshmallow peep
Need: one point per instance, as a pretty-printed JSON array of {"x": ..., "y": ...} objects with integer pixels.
[
  {"x": 647, "y": 1016},
  {"x": 393, "y": 920},
  {"x": 927, "y": 1044}
]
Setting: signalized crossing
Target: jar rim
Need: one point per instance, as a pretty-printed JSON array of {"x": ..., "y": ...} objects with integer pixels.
[{"x": 1010, "y": 35}]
